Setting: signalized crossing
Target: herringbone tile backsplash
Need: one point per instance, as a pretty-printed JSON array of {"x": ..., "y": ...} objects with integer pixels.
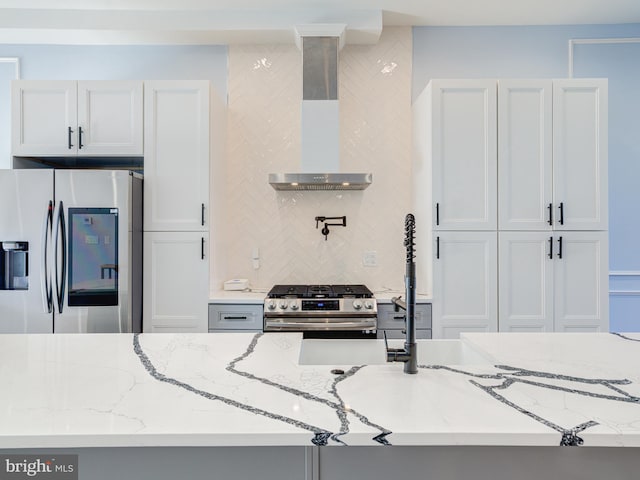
[{"x": 265, "y": 91}]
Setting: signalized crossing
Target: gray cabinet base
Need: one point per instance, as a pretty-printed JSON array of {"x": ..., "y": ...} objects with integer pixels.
[{"x": 354, "y": 463}]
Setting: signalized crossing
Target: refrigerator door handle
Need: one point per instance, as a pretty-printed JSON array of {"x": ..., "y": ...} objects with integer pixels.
[
  {"x": 45, "y": 274},
  {"x": 59, "y": 232}
]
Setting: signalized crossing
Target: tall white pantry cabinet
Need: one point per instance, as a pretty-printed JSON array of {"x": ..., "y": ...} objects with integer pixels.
[
  {"x": 182, "y": 122},
  {"x": 517, "y": 205}
]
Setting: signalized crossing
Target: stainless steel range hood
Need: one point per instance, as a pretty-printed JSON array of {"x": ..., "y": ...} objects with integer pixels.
[
  {"x": 320, "y": 181},
  {"x": 320, "y": 161}
]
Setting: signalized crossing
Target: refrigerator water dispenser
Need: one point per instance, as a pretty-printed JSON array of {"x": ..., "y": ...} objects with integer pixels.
[{"x": 14, "y": 265}]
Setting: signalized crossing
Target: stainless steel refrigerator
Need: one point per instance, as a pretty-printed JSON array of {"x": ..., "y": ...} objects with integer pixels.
[{"x": 70, "y": 251}]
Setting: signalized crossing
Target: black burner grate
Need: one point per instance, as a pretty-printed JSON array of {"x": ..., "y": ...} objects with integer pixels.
[{"x": 319, "y": 291}]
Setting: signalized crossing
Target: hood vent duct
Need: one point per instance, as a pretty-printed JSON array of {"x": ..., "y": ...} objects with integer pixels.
[{"x": 320, "y": 162}]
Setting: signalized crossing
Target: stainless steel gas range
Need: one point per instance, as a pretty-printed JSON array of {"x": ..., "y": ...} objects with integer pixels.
[{"x": 327, "y": 310}]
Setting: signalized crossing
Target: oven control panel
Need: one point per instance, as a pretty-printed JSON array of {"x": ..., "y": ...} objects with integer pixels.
[{"x": 365, "y": 306}]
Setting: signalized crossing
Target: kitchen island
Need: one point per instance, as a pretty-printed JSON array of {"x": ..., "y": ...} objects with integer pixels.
[{"x": 151, "y": 405}]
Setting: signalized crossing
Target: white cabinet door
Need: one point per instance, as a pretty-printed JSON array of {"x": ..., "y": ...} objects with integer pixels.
[
  {"x": 176, "y": 161},
  {"x": 176, "y": 281},
  {"x": 110, "y": 118},
  {"x": 525, "y": 155},
  {"x": 464, "y": 154},
  {"x": 464, "y": 283},
  {"x": 44, "y": 118},
  {"x": 69, "y": 118},
  {"x": 525, "y": 281},
  {"x": 581, "y": 282},
  {"x": 580, "y": 154}
]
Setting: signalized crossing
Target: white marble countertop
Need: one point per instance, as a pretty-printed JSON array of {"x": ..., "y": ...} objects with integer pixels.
[
  {"x": 248, "y": 389},
  {"x": 257, "y": 296},
  {"x": 242, "y": 297}
]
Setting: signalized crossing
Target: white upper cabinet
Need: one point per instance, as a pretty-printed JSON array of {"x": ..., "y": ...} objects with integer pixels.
[
  {"x": 69, "y": 118},
  {"x": 463, "y": 154},
  {"x": 552, "y": 154},
  {"x": 110, "y": 118},
  {"x": 580, "y": 154},
  {"x": 44, "y": 117},
  {"x": 525, "y": 173},
  {"x": 176, "y": 161}
]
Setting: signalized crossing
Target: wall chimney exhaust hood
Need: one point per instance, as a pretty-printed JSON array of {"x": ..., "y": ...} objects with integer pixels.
[{"x": 320, "y": 162}]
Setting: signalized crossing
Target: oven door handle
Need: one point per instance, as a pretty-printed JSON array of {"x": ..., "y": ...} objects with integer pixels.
[
  {"x": 360, "y": 325},
  {"x": 323, "y": 315}
]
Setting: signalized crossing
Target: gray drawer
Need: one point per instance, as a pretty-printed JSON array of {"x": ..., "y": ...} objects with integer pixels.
[
  {"x": 229, "y": 317},
  {"x": 421, "y": 334},
  {"x": 388, "y": 318}
]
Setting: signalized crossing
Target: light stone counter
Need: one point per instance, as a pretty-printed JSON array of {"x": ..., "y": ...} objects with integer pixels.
[
  {"x": 118, "y": 390},
  {"x": 257, "y": 296},
  {"x": 242, "y": 297}
]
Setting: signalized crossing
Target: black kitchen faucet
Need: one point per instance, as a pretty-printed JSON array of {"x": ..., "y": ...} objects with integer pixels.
[{"x": 408, "y": 354}]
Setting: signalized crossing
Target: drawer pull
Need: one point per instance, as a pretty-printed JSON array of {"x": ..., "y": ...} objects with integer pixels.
[{"x": 234, "y": 318}]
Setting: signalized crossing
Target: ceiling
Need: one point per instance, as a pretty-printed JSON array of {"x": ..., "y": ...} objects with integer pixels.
[{"x": 250, "y": 21}]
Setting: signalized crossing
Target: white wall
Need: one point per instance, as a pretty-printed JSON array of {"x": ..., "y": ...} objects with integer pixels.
[{"x": 265, "y": 83}]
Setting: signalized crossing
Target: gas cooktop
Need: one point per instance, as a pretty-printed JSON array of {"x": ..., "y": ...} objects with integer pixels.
[{"x": 320, "y": 291}]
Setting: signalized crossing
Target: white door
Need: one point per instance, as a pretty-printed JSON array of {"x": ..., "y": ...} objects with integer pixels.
[
  {"x": 525, "y": 278},
  {"x": 580, "y": 154},
  {"x": 176, "y": 161},
  {"x": 464, "y": 154},
  {"x": 44, "y": 118},
  {"x": 25, "y": 196},
  {"x": 464, "y": 283},
  {"x": 581, "y": 282},
  {"x": 110, "y": 118},
  {"x": 176, "y": 281},
  {"x": 525, "y": 193}
]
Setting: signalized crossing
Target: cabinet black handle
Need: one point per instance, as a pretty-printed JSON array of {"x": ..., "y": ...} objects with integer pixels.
[
  {"x": 399, "y": 317},
  {"x": 69, "y": 132},
  {"x": 550, "y": 255},
  {"x": 550, "y": 207},
  {"x": 80, "y": 137},
  {"x": 560, "y": 247},
  {"x": 437, "y": 213},
  {"x": 438, "y": 247},
  {"x": 202, "y": 214},
  {"x": 202, "y": 248},
  {"x": 235, "y": 318},
  {"x": 561, "y": 207}
]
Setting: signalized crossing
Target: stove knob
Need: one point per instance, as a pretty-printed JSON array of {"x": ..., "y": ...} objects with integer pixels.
[
  {"x": 357, "y": 304},
  {"x": 368, "y": 304},
  {"x": 283, "y": 304},
  {"x": 271, "y": 304},
  {"x": 294, "y": 305}
]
